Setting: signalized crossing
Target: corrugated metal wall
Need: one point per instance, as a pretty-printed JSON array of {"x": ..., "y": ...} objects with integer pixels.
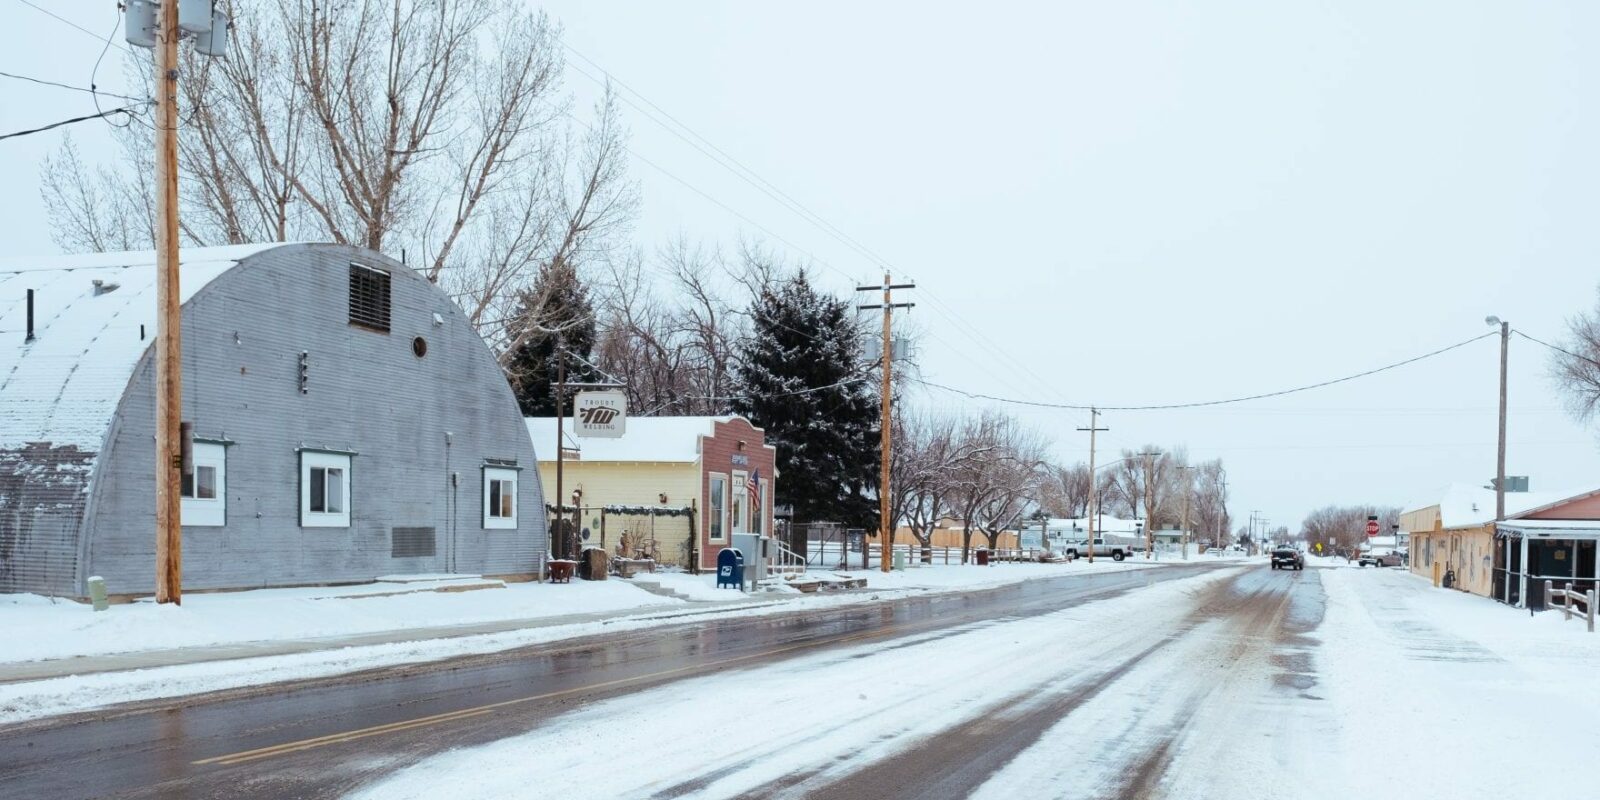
[
  {"x": 43, "y": 492},
  {"x": 412, "y": 422}
]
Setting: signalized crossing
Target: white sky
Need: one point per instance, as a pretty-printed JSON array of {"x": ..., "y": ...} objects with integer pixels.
[{"x": 1135, "y": 203}]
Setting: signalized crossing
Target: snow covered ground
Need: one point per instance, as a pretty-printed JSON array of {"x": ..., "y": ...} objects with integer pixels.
[
  {"x": 1353, "y": 683},
  {"x": 39, "y": 628},
  {"x": 800, "y": 719}
]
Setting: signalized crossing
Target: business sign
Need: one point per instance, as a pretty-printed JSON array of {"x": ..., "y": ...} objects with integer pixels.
[{"x": 600, "y": 414}]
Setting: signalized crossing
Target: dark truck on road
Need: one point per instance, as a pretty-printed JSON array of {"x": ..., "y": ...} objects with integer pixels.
[{"x": 1287, "y": 558}]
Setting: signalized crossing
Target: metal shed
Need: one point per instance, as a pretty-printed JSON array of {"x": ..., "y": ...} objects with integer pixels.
[{"x": 348, "y": 423}]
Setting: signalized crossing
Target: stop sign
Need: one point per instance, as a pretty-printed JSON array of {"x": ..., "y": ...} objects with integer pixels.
[{"x": 1372, "y": 527}]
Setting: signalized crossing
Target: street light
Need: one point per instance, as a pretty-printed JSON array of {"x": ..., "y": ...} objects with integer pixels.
[{"x": 1500, "y": 458}]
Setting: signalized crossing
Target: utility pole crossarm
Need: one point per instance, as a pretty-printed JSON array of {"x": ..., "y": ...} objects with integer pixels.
[{"x": 1094, "y": 494}]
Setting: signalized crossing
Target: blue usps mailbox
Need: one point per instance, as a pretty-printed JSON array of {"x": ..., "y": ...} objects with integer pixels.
[{"x": 730, "y": 568}]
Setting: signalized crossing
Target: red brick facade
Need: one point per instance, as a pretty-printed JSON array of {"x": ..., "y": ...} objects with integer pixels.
[{"x": 736, "y": 449}]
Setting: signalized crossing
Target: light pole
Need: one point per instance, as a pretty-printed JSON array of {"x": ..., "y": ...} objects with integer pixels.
[{"x": 1500, "y": 458}]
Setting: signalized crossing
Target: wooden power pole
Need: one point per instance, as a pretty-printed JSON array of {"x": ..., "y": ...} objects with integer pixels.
[
  {"x": 885, "y": 523},
  {"x": 169, "y": 320},
  {"x": 1094, "y": 496}
]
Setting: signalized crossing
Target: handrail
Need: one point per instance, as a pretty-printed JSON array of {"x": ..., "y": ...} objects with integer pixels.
[{"x": 1568, "y": 597}]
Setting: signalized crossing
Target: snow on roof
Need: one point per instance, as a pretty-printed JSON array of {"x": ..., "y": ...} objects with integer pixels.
[
  {"x": 64, "y": 386},
  {"x": 657, "y": 439},
  {"x": 1463, "y": 505}
]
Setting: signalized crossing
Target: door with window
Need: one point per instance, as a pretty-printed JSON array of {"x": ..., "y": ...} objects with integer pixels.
[{"x": 739, "y": 507}]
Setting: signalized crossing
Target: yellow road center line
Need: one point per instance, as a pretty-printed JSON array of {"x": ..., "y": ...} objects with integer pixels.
[{"x": 451, "y": 716}]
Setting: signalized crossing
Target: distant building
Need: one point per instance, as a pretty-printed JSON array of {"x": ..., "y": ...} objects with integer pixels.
[
  {"x": 348, "y": 423},
  {"x": 678, "y": 487}
]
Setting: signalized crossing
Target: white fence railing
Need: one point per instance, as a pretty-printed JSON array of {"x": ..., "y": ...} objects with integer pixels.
[{"x": 1568, "y": 597}]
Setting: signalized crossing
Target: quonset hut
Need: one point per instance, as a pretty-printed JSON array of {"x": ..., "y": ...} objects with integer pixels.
[{"x": 347, "y": 423}]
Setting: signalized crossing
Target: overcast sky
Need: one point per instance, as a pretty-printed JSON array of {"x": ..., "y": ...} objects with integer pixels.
[{"x": 1119, "y": 203}]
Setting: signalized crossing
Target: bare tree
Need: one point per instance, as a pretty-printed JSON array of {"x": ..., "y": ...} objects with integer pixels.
[
  {"x": 1577, "y": 369},
  {"x": 433, "y": 128},
  {"x": 1342, "y": 529},
  {"x": 1064, "y": 491},
  {"x": 997, "y": 478},
  {"x": 1208, "y": 511}
]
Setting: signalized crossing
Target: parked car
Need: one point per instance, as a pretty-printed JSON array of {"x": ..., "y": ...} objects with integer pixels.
[
  {"x": 1381, "y": 558},
  {"x": 1078, "y": 548},
  {"x": 1288, "y": 558}
]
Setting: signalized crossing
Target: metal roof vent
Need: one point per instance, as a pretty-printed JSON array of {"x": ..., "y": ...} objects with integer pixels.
[{"x": 104, "y": 287}]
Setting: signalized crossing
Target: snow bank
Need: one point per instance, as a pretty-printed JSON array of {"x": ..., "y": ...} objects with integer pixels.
[{"x": 41, "y": 628}]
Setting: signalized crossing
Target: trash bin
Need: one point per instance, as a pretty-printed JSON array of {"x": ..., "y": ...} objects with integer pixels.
[
  {"x": 730, "y": 568},
  {"x": 983, "y": 556}
]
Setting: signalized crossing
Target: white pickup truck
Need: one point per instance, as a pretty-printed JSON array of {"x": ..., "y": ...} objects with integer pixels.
[{"x": 1078, "y": 548}]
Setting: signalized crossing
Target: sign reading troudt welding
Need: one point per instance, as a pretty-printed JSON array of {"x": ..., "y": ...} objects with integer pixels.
[{"x": 600, "y": 414}]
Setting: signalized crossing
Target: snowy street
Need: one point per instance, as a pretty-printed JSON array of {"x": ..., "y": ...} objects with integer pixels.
[{"x": 1222, "y": 681}]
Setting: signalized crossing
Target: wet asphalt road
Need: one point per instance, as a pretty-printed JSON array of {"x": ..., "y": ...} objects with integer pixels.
[
  {"x": 1244, "y": 648},
  {"x": 323, "y": 738}
]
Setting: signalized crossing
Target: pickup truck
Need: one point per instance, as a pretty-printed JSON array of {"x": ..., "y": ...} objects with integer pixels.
[
  {"x": 1287, "y": 558},
  {"x": 1078, "y": 548}
]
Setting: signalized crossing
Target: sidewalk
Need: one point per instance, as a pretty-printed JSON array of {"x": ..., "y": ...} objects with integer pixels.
[{"x": 116, "y": 662}]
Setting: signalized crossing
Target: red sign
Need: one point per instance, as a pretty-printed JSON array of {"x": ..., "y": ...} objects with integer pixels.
[{"x": 1372, "y": 527}]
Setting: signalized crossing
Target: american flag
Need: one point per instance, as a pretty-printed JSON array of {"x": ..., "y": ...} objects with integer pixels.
[{"x": 752, "y": 485}]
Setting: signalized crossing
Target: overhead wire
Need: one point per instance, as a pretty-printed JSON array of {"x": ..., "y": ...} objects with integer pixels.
[
  {"x": 129, "y": 110},
  {"x": 1206, "y": 403},
  {"x": 750, "y": 176},
  {"x": 44, "y": 82}
]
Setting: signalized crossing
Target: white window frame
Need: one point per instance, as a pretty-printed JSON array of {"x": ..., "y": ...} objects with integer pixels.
[
  {"x": 717, "y": 507},
  {"x": 491, "y": 476},
  {"x": 739, "y": 504},
  {"x": 207, "y": 512},
  {"x": 311, "y": 460}
]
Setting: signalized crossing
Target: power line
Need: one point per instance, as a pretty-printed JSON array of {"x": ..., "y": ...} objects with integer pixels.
[
  {"x": 129, "y": 110},
  {"x": 1204, "y": 403},
  {"x": 1557, "y": 349},
  {"x": 60, "y": 18},
  {"x": 44, "y": 82},
  {"x": 750, "y": 176}
]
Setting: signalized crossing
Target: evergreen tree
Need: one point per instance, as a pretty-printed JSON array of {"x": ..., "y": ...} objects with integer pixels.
[
  {"x": 555, "y": 306},
  {"x": 800, "y": 377}
]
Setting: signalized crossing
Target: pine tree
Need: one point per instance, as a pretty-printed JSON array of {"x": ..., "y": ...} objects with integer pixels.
[
  {"x": 800, "y": 378},
  {"x": 555, "y": 306}
]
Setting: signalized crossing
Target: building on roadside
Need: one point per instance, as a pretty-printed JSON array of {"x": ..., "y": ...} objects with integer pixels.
[
  {"x": 677, "y": 487},
  {"x": 347, "y": 423},
  {"x": 1545, "y": 536}
]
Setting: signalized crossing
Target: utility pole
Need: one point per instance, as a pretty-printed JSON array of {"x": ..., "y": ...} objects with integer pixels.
[
  {"x": 1188, "y": 489},
  {"x": 169, "y": 318},
  {"x": 1149, "y": 502},
  {"x": 558, "y": 537},
  {"x": 885, "y": 524},
  {"x": 1094, "y": 495},
  {"x": 159, "y": 26},
  {"x": 1500, "y": 458},
  {"x": 560, "y": 540}
]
